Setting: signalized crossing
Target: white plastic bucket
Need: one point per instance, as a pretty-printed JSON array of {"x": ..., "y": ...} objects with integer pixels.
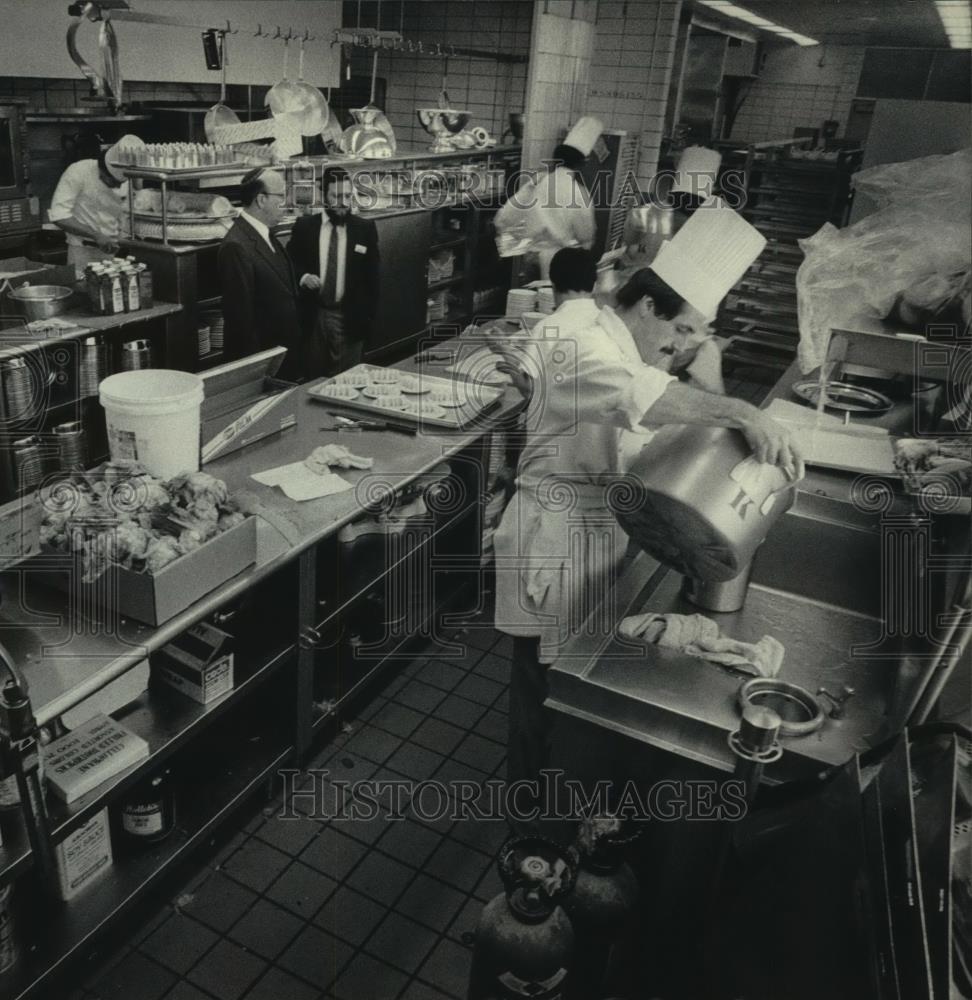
[{"x": 153, "y": 418}]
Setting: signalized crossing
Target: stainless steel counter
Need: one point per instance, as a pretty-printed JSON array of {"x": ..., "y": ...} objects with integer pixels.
[{"x": 68, "y": 655}]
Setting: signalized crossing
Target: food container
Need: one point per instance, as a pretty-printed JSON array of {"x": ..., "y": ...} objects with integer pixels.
[
  {"x": 71, "y": 446},
  {"x": 28, "y": 459},
  {"x": 154, "y": 598},
  {"x": 18, "y": 388},
  {"x": 696, "y": 500},
  {"x": 41, "y": 301},
  {"x": 148, "y": 812},
  {"x": 153, "y": 418},
  {"x": 136, "y": 355},
  {"x": 92, "y": 366}
]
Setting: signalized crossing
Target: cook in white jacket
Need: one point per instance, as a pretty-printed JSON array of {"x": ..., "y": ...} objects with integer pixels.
[
  {"x": 556, "y": 210},
  {"x": 90, "y": 204},
  {"x": 558, "y": 547}
]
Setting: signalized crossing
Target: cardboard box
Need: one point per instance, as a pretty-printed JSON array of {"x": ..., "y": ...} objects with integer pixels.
[
  {"x": 197, "y": 663},
  {"x": 88, "y": 756},
  {"x": 155, "y": 598},
  {"x": 84, "y": 855},
  {"x": 17, "y": 270}
]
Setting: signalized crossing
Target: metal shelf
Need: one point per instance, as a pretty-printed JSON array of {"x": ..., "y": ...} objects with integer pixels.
[
  {"x": 165, "y": 719},
  {"x": 69, "y": 927},
  {"x": 456, "y": 279}
]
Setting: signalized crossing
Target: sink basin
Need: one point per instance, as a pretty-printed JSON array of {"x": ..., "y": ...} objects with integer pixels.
[{"x": 800, "y": 713}]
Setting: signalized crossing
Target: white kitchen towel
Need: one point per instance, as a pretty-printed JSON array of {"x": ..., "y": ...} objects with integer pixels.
[
  {"x": 700, "y": 636},
  {"x": 320, "y": 459},
  {"x": 300, "y": 483}
]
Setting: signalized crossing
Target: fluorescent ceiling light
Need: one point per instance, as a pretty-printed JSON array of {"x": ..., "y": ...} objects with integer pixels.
[
  {"x": 956, "y": 18},
  {"x": 741, "y": 14}
]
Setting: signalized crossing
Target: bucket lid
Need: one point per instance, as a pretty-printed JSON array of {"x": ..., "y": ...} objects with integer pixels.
[{"x": 151, "y": 389}]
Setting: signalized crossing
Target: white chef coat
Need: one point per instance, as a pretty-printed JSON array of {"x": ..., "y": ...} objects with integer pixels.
[
  {"x": 554, "y": 212},
  {"x": 82, "y": 194},
  {"x": 558, "y": 544}
]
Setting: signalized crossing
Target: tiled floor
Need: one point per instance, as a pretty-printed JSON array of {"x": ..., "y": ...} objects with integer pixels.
[{"x": 345, "y": 908}]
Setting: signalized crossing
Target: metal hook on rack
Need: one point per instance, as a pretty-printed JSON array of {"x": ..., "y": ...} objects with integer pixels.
[
  {"x": 277, "y": 34},
  {"x": 259, "y": 31}
]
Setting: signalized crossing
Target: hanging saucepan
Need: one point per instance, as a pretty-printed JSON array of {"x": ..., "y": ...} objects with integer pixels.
[
  {"x": 313, "y": 109},
  {"x": 282, "y": 96},
  {"x": 219, "y": 114}
]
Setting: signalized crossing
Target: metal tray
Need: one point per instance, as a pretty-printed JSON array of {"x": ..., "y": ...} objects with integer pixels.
[{"x": 845, "y": 397}]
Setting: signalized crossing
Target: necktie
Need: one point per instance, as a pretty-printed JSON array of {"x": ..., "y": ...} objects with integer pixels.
[{"x": 329, "y": 289}]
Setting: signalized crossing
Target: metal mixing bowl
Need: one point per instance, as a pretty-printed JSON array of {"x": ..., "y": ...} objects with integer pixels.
[{"x": 42, "y": 301}]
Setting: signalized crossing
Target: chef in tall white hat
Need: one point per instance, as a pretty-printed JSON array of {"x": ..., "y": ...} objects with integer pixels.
[
  {"x": 555, "y": 211},
  {"x": 697, "y": 173},
  {"x": 90, "y": 201},
  {"x": 596, "y": 376}
]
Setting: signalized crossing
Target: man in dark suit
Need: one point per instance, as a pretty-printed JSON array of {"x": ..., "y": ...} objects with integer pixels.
[
  {"x": 257, "y": 279},
  {"x": 335, "y": 256}
]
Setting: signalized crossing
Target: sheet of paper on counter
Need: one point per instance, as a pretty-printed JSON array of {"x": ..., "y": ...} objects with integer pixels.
[
  {"x": 853, "y": 447},
  {"x": 300, "y": 483}
]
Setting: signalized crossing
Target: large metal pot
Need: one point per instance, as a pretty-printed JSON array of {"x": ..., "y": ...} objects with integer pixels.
[
  {"x": 696, "y": 500},
  {"x": 41, "y": 301}
]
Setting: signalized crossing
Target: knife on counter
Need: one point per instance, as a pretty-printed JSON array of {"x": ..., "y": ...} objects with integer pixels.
[{"x": 342, "y": 422}]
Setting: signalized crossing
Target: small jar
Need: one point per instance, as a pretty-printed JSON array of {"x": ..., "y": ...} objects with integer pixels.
[{"x": 148, "y": 813}]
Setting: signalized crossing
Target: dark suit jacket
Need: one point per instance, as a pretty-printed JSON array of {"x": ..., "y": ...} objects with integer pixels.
[
  {"x": 259, "y": 298},
  {"x": 360, "y": 300}
]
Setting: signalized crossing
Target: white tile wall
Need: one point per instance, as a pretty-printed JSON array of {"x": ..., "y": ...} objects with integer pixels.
[{"x": 799, "y": 89}]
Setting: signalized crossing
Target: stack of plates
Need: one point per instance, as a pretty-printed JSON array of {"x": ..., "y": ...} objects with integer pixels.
[
  {"x": 545, "y": 299},
  {"x": 520, "y": 300}
]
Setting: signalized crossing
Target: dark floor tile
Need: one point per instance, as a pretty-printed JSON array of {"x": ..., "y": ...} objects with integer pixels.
[
  {"x": 350, "y": 915},
  {"x": 266, "y": 930},
  {"x": 417, "y": 990},
  {"x": 395, "y": 685},
  {"x": 448, "y": 968},
  {"x": 440, "y": 674},
  {"x": 482, "y": 635},
  {"x": 370, "y": 708},
  {"x": 480, "y": 753},
  {"x": 433, "y": 808},
  {"x": 135, "y": 977},
  {"x": 392, "y": 792},
  {"x": 442, "y": 737},
  {"x": 368, "y": 979},
  {"x": 316, "y": 956},
  {"x": 256, "y": 864},
  {"x": 467, "y": 920},
  {"x": 486, "y": 835},
  {"x": 410, "y": 842},
  {"x": 479, "y": 689},
  {"x": 502, "y": 703},
  {"x": 220, "y": 902},
  {"x": 494, "y": 668},
  {"x": 288, "y": 834},
  {"x": 415, "y": 762},
  {"x": 179, "y": 943},
  {"x": 373, "y": 743},
  {"x": 151, "y": 922},
  {"x": 227, "y": 971},
  {"x": 504, "y": 647},
  {"x": 302, "y": 890},
  {"x": 430, "y": 902},
  {"x": 490, "y": 884},
  {"x": 365, "y": 830},
  {"x": 333, "y": 852},
  {"x": 186, "y": 991},
  {"x": 421, "y": 697},
  {"x": 380, "y": 877},
  {"x": 320, "y": 800},
  {"x": 346, "y": 766},
  {"x": 457, "y": 864},
  {"x": 280, "y": 985},
  {"x": 401, "y": 942},
  {"x": 397, "y": 719},
  {"x": 456, "y": 776},
  {"x": 494, "y": 726},
  {"x": 460, "y": 712}
]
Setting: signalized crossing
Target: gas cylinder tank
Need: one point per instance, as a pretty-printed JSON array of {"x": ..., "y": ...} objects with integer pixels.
[{"x": 525, "y": 942}]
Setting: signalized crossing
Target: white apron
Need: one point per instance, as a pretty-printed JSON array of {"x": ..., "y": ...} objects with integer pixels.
[{"x": 558, "y": 547}]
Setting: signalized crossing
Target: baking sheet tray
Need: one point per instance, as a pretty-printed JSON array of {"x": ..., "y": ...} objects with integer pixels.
[{"x": 473, "y": 398}]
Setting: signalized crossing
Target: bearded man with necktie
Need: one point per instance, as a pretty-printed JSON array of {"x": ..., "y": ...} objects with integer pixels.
[{"x": 335, "y": 256}]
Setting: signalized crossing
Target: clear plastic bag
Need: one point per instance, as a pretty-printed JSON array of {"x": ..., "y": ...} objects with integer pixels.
[{"x": 910, "y": 261}]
